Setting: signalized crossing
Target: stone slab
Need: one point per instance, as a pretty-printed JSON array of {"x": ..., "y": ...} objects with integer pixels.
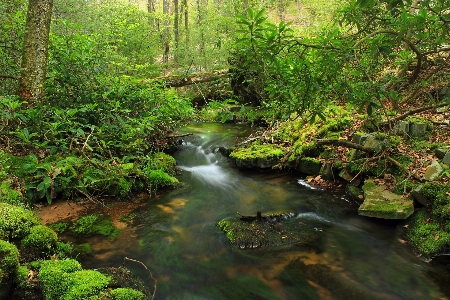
[{"x": 381, "y": 203}]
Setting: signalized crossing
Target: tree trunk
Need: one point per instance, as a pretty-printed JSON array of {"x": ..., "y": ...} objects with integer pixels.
[
  {"x": 281, "y": 10},
  {"x": 151, "y": 10},
  {"x": 35, "y": 51},
  {"x": 176, "y": 29},
  {"x": 186, "y": 21},
  {"x": 166, "y": 31}
]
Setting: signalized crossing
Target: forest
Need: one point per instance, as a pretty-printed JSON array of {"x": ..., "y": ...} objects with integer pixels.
[{"x": 352, "y": 94}]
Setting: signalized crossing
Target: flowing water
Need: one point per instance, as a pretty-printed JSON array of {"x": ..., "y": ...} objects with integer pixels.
[{"x": 176, "y": 236}]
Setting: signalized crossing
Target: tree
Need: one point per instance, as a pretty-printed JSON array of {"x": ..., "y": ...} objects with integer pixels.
[
  {"x": 166, "y": 35},
  {"x": 35, "y": 50},
  {"x": 176, "y": 29}
]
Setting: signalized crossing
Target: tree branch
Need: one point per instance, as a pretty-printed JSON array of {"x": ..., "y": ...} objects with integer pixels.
[{"x": 412, "y": 112}]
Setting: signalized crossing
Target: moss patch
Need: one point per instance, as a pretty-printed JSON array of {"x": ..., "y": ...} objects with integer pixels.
[
  {"x": 95, "y": 224},
  {"x": 16, "y": 222}
]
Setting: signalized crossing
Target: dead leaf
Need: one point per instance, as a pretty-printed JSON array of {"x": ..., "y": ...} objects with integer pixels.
[
  {"x": 54, "y": 207},
  {"x": 437, "y": 237},
  {"x": 406, "y": 226}
]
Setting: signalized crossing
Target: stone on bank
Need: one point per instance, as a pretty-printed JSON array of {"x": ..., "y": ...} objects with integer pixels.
[{"x": 381, "y": 203}]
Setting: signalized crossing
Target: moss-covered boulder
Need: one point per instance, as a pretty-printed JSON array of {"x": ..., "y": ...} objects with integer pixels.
[
  {"x": 127, "y": 294},
  {"x": 65, "y": 279},
  {"x": 310, "y": 166},
  {"x": 381, "y": 203},
  {"x": 16, "y": 222},
  {"x": 260, "y": 156},
  {"x": 272, "y": 230}
]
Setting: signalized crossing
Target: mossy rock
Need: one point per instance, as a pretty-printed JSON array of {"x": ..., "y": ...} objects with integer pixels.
[
  {"x": 310, "y": 166},
  {"x": 65, "y": 279},
  {"x": 261, "y": 156},
  {"x": 274, "y": 230},
  {"x": 16, "y": 222},
  {"x": 380, "y": 203}
]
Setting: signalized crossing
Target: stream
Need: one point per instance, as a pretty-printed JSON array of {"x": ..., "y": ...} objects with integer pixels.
[{"x": 176, "y": 236}]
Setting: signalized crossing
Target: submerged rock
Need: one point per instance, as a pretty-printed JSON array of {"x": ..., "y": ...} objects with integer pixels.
[
  {"x": 268, "y": 231},
  {"x": 381, "y": 203}
]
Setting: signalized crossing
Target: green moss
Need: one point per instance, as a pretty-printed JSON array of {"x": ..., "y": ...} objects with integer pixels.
[
  {"x": 425, "y": 234},
  {"x": 269, "y": 152},
  {"x": 16, "y": 222},
  {"x": 10, "y": 196},
  {"x": 95, "y": 224},
  {"x": 438, "y": 194},
  {"x": 41, "y": 238},
  {"x": 60, "y": 227},
  {"x": 126, "y": 294},
  {"x": 66, "y": 280},
  {"x": 9, "y": 259},
  {"x": 83, "y": 249},
  {"x": 159, "y": 178}
]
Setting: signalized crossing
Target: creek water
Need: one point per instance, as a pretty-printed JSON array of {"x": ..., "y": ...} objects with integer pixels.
[{"x": 176, "y": 236}]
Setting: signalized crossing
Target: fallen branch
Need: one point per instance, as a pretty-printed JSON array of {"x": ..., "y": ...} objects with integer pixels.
[
  {"x": 398, "y": 164},
  {"x": 412, "y": 112},
  {"x": 90, "y": 198},
  {"x": 346, "y": 144},
  {"x": 145, "y": 267}
]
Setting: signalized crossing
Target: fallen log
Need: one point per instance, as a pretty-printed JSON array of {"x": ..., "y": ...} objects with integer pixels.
[{"x": 185, "y": 80}]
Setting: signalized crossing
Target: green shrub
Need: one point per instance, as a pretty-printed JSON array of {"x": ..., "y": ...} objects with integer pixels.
[
  {"x": 41, "y": 238},
  {"x": 9, "y": 256},
  {"x": 16, "y": 222},
  {"x": 126, "y": 294}
]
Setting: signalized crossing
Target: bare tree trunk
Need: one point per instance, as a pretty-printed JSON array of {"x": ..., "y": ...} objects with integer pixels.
[
  {"x": 281, "y": 10},
  {"x": 166, "y": 31},
  {"x": 151, "y": 9},
  {"x": 201, "y": 9},
  {"x": 186, "y": 21},
  {"x": 176, "y": 31},
  {"x": 35, "y": 51}
]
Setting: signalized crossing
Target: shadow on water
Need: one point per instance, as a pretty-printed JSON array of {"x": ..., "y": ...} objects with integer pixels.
[{"x": 177, "y": 238}]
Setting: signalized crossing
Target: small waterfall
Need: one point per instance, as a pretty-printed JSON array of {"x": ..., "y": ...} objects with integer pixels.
[{"x": 205, "y": 164}]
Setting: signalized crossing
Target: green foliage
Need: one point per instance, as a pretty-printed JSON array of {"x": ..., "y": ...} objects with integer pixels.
[
  {"x": 126, "y": 294},
  {"x": 16, "y": 222},
  {"x": 73, "y": 282},
  {"x": 9, "y": 259},
  {"x": 21, "y": 277},
  {"x": 95, "y": 224},
  {"x": 41, "y": 238}
]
